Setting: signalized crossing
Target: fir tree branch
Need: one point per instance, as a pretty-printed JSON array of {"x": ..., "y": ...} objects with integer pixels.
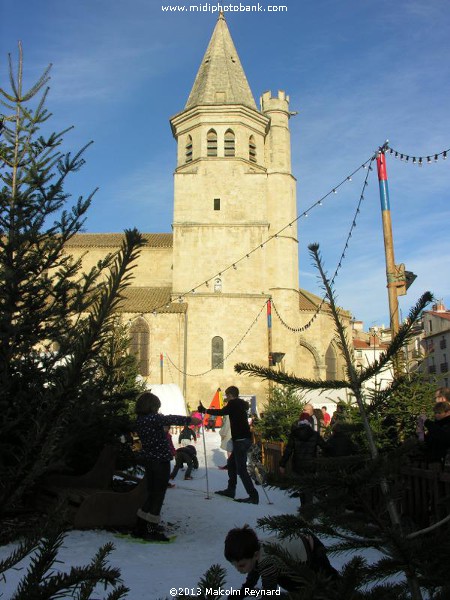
[
  {"x": 405, "y": 332},
  {"x": 289, "y": 379},
  {"x": 429, "y": 529}
]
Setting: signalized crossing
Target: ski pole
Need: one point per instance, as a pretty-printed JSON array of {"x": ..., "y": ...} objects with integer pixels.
[
  {"x": 206, "y": 461},
  {"x": 258, "y": 473},
  {"x": 264, "y": 490}
]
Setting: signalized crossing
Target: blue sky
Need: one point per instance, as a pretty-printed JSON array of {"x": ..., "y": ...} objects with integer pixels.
[{"x": 357, "y": 72}]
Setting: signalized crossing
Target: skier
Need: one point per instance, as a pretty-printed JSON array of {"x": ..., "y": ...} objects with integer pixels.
[
  {"x": 241, "y": 435},
  {"x": 156, "y": 461}
]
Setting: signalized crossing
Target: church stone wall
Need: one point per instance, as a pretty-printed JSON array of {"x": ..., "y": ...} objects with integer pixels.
[
  {"x": 166, "y": 333},
  {"x": 229, "y": 317},
  {"x": 152, "y": 269}
]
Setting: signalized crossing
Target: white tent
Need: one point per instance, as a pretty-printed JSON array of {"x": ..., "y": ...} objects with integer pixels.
[{"x": 172, "y": 401}]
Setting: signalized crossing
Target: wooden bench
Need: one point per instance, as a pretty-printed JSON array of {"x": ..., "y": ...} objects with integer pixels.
[{"x": 90, "y": 499}]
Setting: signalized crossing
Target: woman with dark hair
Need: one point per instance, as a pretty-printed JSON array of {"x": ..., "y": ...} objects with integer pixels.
[{"x": 156, "y": 461}]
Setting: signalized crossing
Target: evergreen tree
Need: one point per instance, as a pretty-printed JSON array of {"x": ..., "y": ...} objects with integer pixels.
[
  {"x": 42, "y": 581},
  {"x": 394, "y": 412},
  {"x": 61, "y": 383},
  {"x": 356, "y": 496},
  {"x": 282, "y": 410}
]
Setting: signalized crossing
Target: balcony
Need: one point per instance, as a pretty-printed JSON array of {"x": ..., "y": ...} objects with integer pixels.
[
  {"x": 432, "y": 369},
  {"x": 444, "y": 367}
]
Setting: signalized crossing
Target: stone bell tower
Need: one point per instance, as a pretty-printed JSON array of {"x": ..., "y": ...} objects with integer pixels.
[{"x": 233, "y": 191}]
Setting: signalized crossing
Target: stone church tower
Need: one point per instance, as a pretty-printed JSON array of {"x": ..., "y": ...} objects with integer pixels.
[
  {"x": 199, "y": 301},
  {"x": 233, "y": 190}
]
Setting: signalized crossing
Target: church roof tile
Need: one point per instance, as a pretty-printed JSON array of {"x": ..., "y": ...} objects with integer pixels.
[
  {"x": 108, "y": 240},
  {"x": 147, "y": 299},
  {"x": 308, "y": 301}
]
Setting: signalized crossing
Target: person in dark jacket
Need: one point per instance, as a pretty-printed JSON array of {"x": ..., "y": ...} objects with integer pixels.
[
  {"x": 187, "y": 455},
  {"x": 156, "y": 457},
  {"x": 186, "y": 436},
  {"x": 339, "y": 443},
  {"x": 211, "y": 423},
  {"x": 437, "y": 436},
  {"x": 254, "y": 558},
  {"x": 302, "y": 447},
  {"x": 237, "y": 410}
]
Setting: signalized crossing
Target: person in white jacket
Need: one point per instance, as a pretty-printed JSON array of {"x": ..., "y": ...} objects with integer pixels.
[{"x": 226, "y": 443}]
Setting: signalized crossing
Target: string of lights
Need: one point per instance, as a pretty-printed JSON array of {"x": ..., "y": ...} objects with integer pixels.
[
  {"x": 414, "y": 159},
  {"x": 304, "y": 214},
  {"x": 171, "y": 377},
  {"x": 227, "y": 355},
  {"x": 339, "y": 266}
]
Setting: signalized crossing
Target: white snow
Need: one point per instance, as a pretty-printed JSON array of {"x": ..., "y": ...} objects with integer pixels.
[{"x": 202, "y": 520}]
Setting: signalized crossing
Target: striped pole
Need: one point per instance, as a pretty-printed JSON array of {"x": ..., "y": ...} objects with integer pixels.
[
  {"x": 391, "y": 271},
  {"x": 269, "y": 331},
  {"x": 161, "y": 368},
  {"x": 269, "y": 340}
]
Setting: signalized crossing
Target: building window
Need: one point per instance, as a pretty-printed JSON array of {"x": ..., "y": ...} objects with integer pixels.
[
  {"x": 217, "y": 285},
  {"x": 331, "y": 363},
  {"x": 217, "y": 353},
  {"x": 189, "y": 149},
  {"x": 211, "y": 139},
  {"x": 216, "y": 203},
  {"x": 252, "y": 149},
  {"x": 229, "y": 143},
  {"x": 139, "y": 344}
]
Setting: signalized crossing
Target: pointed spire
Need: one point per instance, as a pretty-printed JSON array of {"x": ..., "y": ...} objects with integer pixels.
[{"x": 221, "y": 78}]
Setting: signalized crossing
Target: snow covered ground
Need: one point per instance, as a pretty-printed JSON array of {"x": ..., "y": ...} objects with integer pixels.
[{"x": 202, "y": 520}]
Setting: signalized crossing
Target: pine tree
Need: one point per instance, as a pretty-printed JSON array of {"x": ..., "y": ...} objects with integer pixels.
[
  {"x": 356, "y": 496},
  {"x": 42, "y": 581},
  {"x": 59, "y": 382},
  {"x": 211, "y": 585},
  {"x": 283, "y": 409}
]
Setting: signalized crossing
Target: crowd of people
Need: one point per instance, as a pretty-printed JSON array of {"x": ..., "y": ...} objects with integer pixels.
[
  {"x": 435, "y": 433},
  {"x": 242, "y": 546}
]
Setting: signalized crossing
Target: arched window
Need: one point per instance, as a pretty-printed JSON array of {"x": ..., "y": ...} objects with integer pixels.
[
  {"x": 211, "y": 140},
  {"x": 217, "y": 353},
  {"x": 188, "y": 149},
  {"x": 252, "y": 149},
  {"x": 331, "y": 363},
  {"x": 217, "y": 285},
  {"x": 139, "y": 346},
  {"x": 229, "y": 146}
]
